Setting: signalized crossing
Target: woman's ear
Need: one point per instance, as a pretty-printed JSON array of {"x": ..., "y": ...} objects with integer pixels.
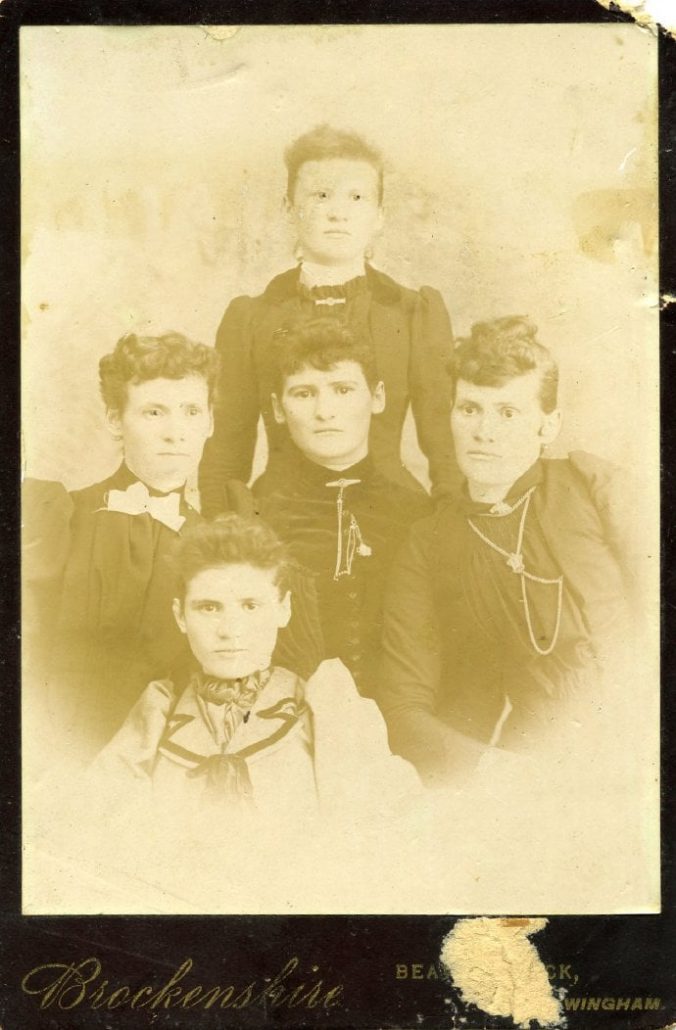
[
  {"x": 380, "y": 221},
  {"x": 284, "y": 610},
  {"x": 278, "y": 410},
  {"x": 378, "y": 395},
  {"x": 177, "y": 609},
  {"x": 550, "y": 427},
  {"x": 114, "y": 423},
  {"x": 290, "y": 213}
]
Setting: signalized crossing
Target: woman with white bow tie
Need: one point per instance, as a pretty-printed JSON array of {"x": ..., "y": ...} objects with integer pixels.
[{"x": 98, "y": 585}]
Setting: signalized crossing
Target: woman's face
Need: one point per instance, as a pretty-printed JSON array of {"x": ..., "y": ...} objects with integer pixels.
[
  {"x": 328, "y": 412},
  {"x": 499, "y": 432},
  {"x": 164, "y": 427},
  {"x": 336, "y": 209},
  {"x": 231, "y": 615}
]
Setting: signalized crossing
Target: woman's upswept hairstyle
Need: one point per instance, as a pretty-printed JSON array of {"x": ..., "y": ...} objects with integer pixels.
[
  {"x": 321, "y": 343},
  {"x": 503, "y": 349},
  {"x": 323, "y": 143},
  {"x": 137, "y": 359},
  {"x": 229, "y": 540}
]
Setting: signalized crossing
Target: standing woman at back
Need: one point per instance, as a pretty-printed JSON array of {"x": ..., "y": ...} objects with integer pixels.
[{"x": 334, "y": 199}]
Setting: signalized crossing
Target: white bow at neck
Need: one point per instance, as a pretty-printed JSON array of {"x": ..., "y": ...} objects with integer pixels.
[{"x": 137, "y": 500}]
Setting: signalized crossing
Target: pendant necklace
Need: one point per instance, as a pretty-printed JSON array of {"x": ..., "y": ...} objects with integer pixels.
[
  {"x": 515, "y": 562},
  {"x": 355, "y": 541}
]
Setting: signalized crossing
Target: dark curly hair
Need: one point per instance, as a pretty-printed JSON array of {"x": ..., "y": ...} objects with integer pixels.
[
  {"x": 321, "y": 343},
  {"x": 229, "y": 540},
  {"x": 498, "y": 351},
  {"x": 323, "y": 143},
  {"x": 139, "y": 358}
]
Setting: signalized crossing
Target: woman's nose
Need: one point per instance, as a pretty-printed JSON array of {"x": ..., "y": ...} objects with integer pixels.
[
  {"x": 337, "y": 208},
  {"x": 227, "y": 626},
  {"x": 324, "y": 406},
  {"x": 174, "y": 427},
  {"x": 485, "y": 427}
]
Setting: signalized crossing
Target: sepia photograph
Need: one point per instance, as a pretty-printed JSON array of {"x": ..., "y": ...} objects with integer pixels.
[{"x": 340, "y": 469}]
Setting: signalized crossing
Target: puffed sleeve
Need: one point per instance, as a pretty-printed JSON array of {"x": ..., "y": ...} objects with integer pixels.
[
  {"x": 119, "y": 781},
  {"x": 430, "y": 388},
  {"x": 353, "y": 765},
  {"x": 411, "y": 667},
  {"x": 132, "y": 752},
  {"x": 616, "y": 498},
  {"x": 46, "y": 512},
  {"x": 229, "y": 453}
]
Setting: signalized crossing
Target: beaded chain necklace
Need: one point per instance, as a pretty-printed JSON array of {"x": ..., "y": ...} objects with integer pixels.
[{"x": 516, "y": 564}]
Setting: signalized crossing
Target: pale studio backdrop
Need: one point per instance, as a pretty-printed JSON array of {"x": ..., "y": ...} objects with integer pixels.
[{"x": 521, "y": 178}]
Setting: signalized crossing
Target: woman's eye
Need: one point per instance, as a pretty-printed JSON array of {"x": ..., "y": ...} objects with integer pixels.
[
  {"x": 208, "y": 608},
  {"x": 152, "y": 412},
  {"x": 250, "y": 606},
  {"x": 194, "y": 411},
  {"x": 508, "y": 413},
  {"x": 468, "y": 409}
]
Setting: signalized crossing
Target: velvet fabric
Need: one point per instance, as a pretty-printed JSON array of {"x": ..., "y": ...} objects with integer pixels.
[{"x": 303, "y": 511}]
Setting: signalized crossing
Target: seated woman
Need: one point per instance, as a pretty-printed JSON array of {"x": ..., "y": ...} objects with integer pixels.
[
  {"x": 341, "y": 518},
  {"x": 503, "y": 604},
  {"x": 96, "y": 583},
  {"x": 236, "y": 730}
]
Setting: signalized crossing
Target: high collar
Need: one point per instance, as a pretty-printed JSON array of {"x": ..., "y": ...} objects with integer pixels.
[
  {"x": 287, "y": 285},
  {"x": 344, "y": 292},
  {"x": 529, "y": 479},
  {"x": 240, "y": 691},
  {"x": 124, "y": 477},
  {"x": 315, "y": 276},
  {"x": 317, "y": 476}
]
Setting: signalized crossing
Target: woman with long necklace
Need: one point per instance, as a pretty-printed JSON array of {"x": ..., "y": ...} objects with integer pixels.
[{"x": 505, "y": 602}]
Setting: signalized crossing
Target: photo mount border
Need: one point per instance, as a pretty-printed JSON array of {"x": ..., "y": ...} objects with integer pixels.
[{"x": 634, "y": 952}]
